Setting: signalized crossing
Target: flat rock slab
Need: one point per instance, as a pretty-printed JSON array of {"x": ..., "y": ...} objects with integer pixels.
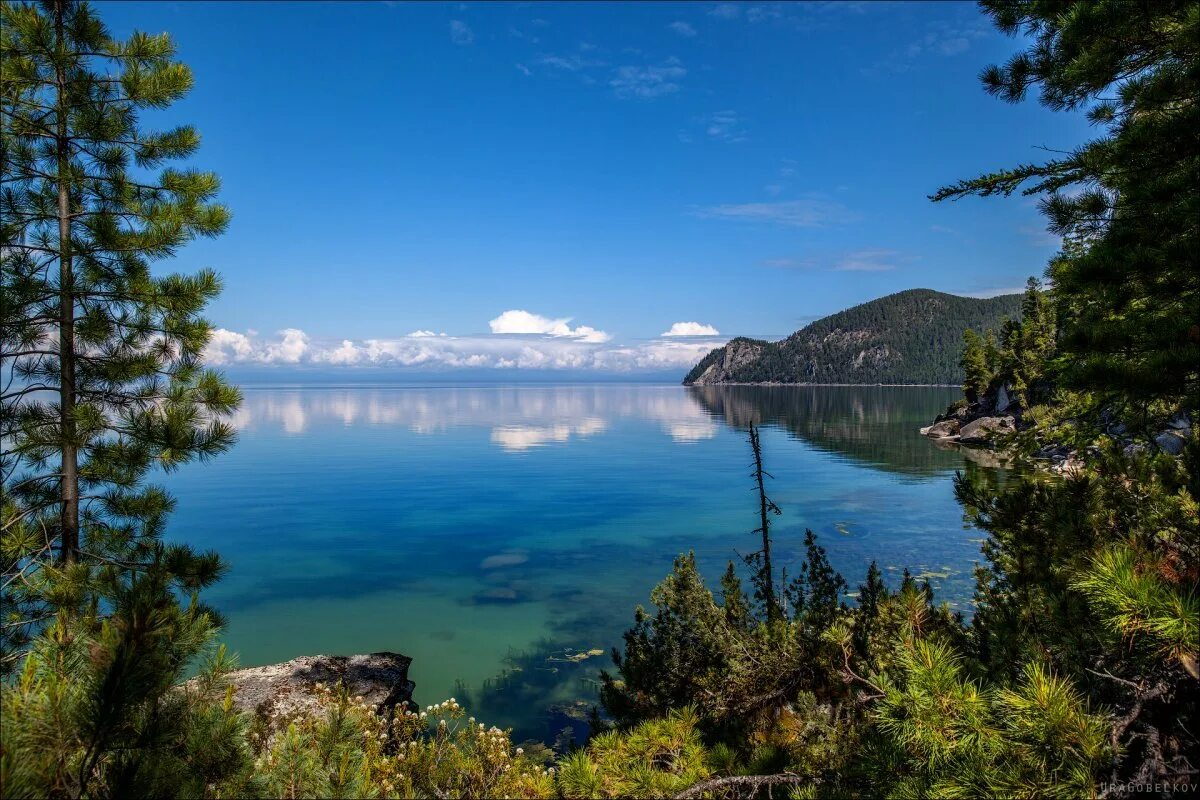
[
  {"x": 979, "y": 431},
  {"x": 287, "y": 689},
  {"x": 941, "y": 430}
]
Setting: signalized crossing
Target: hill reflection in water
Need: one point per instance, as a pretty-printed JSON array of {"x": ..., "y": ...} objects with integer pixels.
[{"x": 873, "y": 425}]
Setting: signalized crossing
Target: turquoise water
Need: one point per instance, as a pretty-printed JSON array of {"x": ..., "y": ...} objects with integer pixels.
[{"x": 500, "y": 534}]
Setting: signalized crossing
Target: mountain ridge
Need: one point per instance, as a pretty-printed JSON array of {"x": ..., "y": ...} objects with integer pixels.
[{"x": 912, "y": 337}]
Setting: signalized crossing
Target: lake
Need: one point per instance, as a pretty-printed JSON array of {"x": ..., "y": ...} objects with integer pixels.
[{"x": 502, "y": 535}]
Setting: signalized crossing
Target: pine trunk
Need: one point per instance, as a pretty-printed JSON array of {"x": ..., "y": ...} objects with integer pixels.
[
  {"x": 66, "y": 323},
  {"x": 768, "y": 577}
]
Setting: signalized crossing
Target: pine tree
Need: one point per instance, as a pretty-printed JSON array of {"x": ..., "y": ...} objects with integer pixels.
[
  {"x": 104, "y": 379},
  {"x": 1128, "y": 283},
  {"x": 976, "y": 374},
  {"x": 97, "y": 709}
]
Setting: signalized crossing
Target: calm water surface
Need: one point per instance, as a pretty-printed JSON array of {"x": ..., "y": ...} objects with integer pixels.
[{"x": 498, "y": 534}]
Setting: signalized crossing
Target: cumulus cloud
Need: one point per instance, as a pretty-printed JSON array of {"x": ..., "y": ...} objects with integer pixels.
[
  {"x": 518, "y": 321},
  {"x": 225, "y": 347},
  {"x": 290, "y": 348},
  {"x": 691, "y": 329},
  {"x": 520, "y": 340},
  {"x": 682, "y": 28}
]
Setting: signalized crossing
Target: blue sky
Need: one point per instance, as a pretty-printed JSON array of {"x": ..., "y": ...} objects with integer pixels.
[{"x": 610, "y": 169}]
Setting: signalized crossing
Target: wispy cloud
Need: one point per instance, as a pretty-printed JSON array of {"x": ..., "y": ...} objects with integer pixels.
[
  {"x": 811, "y": 213},
  {"x": 785, "y": 263},
  {"x": 942, "y": 38},
  {"x": 945, "y": 39},
  {"x": 800, "y": 16},
  {"x": 461, "y": 33},
  {"x": 725, "y": 126},
  {"x": 568, "y": 63},
  {"x": 691, "y": 329},
  {"x": 1039, "y": 236},
  {"x": 682, "y": 28},
  {"x": 645, "y": 82},
  {"x": 725, "y": 11},
  {"x": 878, "y": 260}
]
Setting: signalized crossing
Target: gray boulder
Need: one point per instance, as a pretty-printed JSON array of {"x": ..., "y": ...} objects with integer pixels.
[
  {"x": 981, "y": 431},
  {"x": 941, "y": 430},
  {"x": 1171, "y": 442},
  {"x": 1180, "y": 422},
  {"x": 287, "y": 690}
]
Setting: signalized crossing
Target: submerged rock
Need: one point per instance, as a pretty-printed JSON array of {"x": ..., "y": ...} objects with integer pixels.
[{"x": 288, "y": 689}]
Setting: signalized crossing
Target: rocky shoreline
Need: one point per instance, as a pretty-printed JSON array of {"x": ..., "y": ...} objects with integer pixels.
[
  {"x": 985, "y": 422},
  {"x": 279, "y": 692}
]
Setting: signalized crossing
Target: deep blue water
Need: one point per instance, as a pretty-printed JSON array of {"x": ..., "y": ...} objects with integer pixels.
[{"x": 493, "y": 532}]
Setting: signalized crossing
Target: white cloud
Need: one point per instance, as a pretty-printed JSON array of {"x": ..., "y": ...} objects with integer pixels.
[
  {"x": 289, "y": 349},
  {"x": 682, "y": 28},
  {"x": 648, "y": 81},
  {"x": 461, "y": 33},
  {"x": 226, "y": 347},
  {"x": 792, "y": 213},
  {"x": 725, "y": 11},
  {"x": 691, "y": 431},
  {"x": 517, "y": 438},
  {"x": 519, "y": 340},
  {"x": 724, "y": 125},
  {"x": 346, "y": 354},
  {"x": 691, "y": 329},
  {"x": 517, "y": 321},
  {"x": 867, "y": 261},
  {"x": 568, "y": 63},
  {"x": 517, "y": 421}
]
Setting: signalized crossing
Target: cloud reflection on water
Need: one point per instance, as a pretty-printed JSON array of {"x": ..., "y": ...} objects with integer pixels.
[{"x": 520, "y": 418}]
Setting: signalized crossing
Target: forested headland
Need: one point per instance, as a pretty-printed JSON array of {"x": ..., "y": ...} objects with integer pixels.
[
  {"x": 1076, "y": 675},
  {"x": 910, "y": 337}
]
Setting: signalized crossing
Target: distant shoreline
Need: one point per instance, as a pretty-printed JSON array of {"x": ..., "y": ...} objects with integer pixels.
[{"x": 772, "y": 383}]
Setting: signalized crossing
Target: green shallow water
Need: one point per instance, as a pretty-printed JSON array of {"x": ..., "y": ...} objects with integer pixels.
[{"x": 498, "y": 534}]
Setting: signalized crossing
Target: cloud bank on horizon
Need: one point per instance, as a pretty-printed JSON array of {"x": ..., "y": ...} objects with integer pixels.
[{"x": 519, "y": 340}]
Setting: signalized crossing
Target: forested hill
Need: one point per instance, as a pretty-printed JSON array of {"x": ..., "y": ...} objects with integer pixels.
[{"x": 913, "y": 336}]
